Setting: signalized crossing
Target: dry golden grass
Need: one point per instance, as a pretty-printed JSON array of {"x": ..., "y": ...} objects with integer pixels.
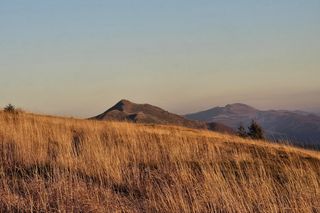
[{"x": 51, "y": 164}]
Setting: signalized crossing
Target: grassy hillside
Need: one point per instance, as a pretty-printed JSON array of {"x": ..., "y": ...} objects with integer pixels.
[{"x": 54, "y": 164}]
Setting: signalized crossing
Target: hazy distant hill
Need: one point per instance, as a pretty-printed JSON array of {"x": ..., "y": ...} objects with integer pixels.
[
  {"x": 296, "y": 126},
  {"x": 126, "y": 110}
]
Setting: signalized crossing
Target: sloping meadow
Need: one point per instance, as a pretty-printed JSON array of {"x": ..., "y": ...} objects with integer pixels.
[{"x": 53, "y": 164}]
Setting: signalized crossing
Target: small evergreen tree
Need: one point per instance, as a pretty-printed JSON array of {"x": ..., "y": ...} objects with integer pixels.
[
  {"x": 242, "y": 131},
  {"x": 255, "y": 131},
  {"x": 10, "y": 108}
]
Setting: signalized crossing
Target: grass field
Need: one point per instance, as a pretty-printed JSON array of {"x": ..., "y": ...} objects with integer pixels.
[{"x": 53, "y": 164}]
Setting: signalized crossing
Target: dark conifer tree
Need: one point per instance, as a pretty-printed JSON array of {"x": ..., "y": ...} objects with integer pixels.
[
  {"x": 242, "y": 131},
  {"x": 255, "y": 131},
  {"x": 10, "y": 108}
]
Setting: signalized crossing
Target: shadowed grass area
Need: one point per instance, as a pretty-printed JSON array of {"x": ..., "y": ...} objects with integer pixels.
[{"x": 53, "y": 164}]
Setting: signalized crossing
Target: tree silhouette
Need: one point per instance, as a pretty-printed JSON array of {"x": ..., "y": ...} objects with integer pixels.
[
  {"x": 242, "y": 131},
  {"x": 255, "y": 130},
  {"x": 10, "y": 108}
]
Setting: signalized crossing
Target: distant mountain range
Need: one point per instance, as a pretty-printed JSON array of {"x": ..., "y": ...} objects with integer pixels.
[
  {"x": 126, "y": 110},
  {"x": 298, "y": 127}
]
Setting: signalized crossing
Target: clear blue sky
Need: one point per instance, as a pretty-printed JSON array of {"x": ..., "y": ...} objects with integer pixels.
[{"x": 78, "y": 57}]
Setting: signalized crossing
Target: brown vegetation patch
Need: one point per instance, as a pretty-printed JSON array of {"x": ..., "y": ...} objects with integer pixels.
[{"x": 52, "y": 164}]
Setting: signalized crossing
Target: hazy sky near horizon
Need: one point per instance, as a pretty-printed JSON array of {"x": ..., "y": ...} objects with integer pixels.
[{"x": 79, "y": 57}]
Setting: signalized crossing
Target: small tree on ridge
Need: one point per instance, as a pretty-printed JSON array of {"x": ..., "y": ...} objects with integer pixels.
[
  {"x": 255, "y": 131},
  {"x": 242, "y": 131},
  {"x": 10, "y": 108}
]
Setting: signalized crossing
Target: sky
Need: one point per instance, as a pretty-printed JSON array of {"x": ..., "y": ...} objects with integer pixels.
[{"x": 79, "y": 57}]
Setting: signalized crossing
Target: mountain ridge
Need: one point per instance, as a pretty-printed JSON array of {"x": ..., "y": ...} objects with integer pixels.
[
  {"x": 299, "y": 127},
  {"x": 125, "y": 110}
]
